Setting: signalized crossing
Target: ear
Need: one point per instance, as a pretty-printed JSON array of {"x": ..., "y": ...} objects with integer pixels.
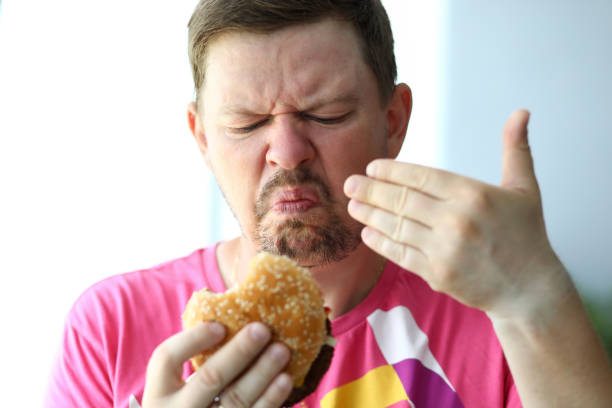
[
  {"x": 197, "y": 129},
  {"x": 398, "y": 116}
]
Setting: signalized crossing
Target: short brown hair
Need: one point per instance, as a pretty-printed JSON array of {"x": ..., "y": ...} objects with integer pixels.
[{"x": 369, "y": 18}]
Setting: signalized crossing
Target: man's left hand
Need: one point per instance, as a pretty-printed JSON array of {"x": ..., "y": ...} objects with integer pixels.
[{"x": 484, "y": 245}]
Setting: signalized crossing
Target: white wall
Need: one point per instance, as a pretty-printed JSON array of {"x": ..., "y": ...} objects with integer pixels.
[
  {"x": 554, "y": 58},
  {"x": 98, "y": 171}
]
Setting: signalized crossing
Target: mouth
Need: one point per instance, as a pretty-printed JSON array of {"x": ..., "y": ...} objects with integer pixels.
[{"x": 295, "y": 200}]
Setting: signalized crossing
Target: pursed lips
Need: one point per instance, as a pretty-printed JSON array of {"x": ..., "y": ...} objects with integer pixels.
[{"x": 294, "y": 200}]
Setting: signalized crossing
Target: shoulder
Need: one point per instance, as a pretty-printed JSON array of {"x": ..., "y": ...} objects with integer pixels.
[
  {"x": 136, "y": 293},
  {"x": 115, "y": 325}
]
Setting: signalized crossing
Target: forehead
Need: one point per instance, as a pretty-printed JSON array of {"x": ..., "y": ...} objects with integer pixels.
[{"x": 294, "y": 66}]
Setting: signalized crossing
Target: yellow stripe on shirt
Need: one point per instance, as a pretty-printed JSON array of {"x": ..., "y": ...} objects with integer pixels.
[{"x": 379, "y": 387}]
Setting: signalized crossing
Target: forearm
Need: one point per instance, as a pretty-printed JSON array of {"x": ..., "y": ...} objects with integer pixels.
[{"x": 557, "y": 359}]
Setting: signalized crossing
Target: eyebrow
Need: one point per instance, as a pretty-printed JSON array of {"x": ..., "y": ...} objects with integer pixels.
[
  {"x": 238, "y": 109},
  {"x": 346, "y": 99}
]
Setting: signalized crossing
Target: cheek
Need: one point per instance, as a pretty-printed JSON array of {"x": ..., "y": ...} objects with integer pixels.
[
  {"x": 236, "y": 172},
  {"x": 350, "y": 152},
  {"x": 235, "y": 160}
]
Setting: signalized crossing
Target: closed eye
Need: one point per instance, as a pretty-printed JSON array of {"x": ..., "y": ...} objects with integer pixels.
[
  {"x": 319, "y": 119},
  {"x": 324, "y": 120},
  {"x": 250, "y": 128}
]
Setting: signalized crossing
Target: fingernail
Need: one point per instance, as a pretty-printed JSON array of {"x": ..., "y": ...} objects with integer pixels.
[
  {"x": 353, "y": 205},
  {"x": 216, "y": 328},
  {"x": 284, "y": 381},
  {"x": 350, "y": 186},
  {"x": 259, "y": 332},
  {"x": 371, "y": 169},
  {"x": 279, "y": 353},
  {"x": 367, "y": 234}
]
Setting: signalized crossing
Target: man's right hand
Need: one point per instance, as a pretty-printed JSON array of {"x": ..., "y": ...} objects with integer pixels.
[{"x": 246, "y": 372}]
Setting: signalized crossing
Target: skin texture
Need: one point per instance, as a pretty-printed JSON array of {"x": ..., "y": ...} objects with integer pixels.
[{"x": 481, "y": 244}]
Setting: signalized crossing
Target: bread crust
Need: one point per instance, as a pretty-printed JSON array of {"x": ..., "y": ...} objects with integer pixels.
[{"x": 283, "y": 296}]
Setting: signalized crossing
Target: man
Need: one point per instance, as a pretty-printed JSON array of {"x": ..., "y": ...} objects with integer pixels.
[{"x": 295, "y": 101}]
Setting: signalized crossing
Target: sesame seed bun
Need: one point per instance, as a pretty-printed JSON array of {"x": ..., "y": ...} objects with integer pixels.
[{"x": 283, "y": 296}]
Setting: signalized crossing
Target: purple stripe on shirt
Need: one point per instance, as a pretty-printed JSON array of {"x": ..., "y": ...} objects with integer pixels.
[{"x": 424, "y": 387}]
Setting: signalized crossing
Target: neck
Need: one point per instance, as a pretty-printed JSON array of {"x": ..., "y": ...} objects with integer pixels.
[
  {"x": 347, "y": 282},
  {"x": 344, "y": 284}
]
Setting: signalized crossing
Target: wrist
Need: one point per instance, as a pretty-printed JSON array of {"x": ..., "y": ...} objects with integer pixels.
[{"x": 536, "y": 303}]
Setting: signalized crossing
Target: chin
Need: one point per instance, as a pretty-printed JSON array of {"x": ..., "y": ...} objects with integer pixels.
[{"x": 310, "y": 245}]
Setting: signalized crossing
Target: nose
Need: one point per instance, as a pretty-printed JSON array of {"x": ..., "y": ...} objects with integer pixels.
[{"x": 288, "y": 143}]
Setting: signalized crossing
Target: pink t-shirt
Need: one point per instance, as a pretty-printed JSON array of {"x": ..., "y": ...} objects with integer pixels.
[{"x": 403, "y": 346}]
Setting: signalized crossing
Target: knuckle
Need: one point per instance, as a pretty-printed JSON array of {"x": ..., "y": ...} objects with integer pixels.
[
  {"x": 160, "y": 357},
  {"x": 368, "y": 189},
  {"x": 445, "y": 278},
  {"x": 246, "y": 346},
  {"x": 403, "y": 201},
  {"x": 276, "y": 394},
  {"x": 419, "y": 178},
  {"x": 400, "y": 229},
  {"x": 465, "y": 228},
  {"x": 447, "y": 275},
  {"x": 210, "y": 377},
  {"x": 479, "y": 200},
  {"x": 231, "y": 398},
  {"x": 407, "y": 259},
  {"x": 391, "y": 249},
  {"x": 277, "y": 356},
  {"x": 267, "y": 401}
]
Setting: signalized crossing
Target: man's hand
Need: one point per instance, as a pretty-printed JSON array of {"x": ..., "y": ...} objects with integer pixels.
[
  {"x": 484, "y": 245},
  {"x": 487, "y": 247},
  {"x": 246, "y": 372}
]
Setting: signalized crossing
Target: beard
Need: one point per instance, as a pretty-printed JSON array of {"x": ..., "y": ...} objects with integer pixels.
[{"x": 309, "y": 240}]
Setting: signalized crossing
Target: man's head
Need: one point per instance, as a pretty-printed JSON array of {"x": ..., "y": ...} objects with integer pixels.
[
  {"x": 368, "y": 17},
  {"x": 284, "y": 117}
]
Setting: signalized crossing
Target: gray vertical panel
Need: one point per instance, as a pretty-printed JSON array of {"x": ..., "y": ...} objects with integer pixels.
[{"x": 554, "y": 58}]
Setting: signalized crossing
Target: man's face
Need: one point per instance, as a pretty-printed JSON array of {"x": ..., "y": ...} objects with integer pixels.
[{"x": 286, "y": 118}]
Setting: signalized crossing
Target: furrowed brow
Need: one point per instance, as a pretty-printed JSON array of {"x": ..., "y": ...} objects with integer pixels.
[
  {"x": 241, "y": 110},
  {"x": 238, "y": 110}
]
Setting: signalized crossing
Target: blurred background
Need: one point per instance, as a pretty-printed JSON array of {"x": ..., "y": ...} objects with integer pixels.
[{"x": 100, "y": 175}]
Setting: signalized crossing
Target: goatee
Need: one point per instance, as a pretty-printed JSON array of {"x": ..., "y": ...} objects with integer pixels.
[{"x": 310, "y": 241}]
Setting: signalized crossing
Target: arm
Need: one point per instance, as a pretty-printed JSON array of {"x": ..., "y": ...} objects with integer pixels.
[
  {"x": 79, "y": 377},
  {"x": 555, "y": 355},
  {"x": 487, "y": 247}
]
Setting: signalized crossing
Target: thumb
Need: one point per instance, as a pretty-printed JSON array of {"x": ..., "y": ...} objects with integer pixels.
[{"x": 517, "y": 163}]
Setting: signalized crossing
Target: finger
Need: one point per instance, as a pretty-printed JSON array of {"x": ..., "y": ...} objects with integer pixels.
[
  {"x": 517, "y": 164},
  {"x": 225, "y": 365},
  {"x": 277, "y": 392},
  {"x": 395, "y": 198},
  {"x": 437, "y": 183},
  {"x": 165, "y": 366},
  {"x": 410, "y": 258},
  {"x": 245, "y": 391},
  {"x": 400, "y": 229}
]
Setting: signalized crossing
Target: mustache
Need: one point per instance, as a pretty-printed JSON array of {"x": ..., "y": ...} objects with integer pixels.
[{"x": 295, "y": 177}]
